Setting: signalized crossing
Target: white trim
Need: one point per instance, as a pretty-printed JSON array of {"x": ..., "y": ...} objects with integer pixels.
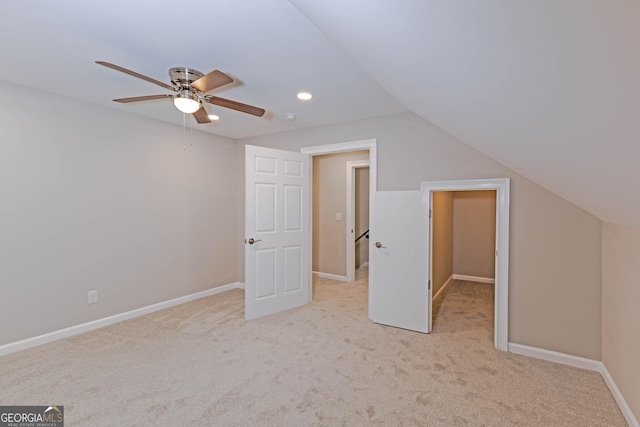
[
  {"x": 502, "y": 188},
  {"x": 620, "y": 400},
  {"x": 342, "y": 147},
  {"x": 583, "y": 363},
  {"x": 441, "y": 290},
  {"x": 427, "y": 198},
  {"x": 474, "y": 278},
  {"x": 351, "y": 213},
  {"x": 364, "y": 264},
  {"x": 106, "y": 321},
  {"x": 365, "y": 144},
  {"x": 554, "y": 356},
  {"x": 331, "y": 276}
]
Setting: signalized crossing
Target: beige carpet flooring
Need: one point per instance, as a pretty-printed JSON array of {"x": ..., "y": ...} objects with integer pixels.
[{"x": 325, "y": 364}]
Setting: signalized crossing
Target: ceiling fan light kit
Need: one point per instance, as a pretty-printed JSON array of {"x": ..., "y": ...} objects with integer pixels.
[
  {"x": 191, "y": 86},
  {"x": 186, "y": 102}
]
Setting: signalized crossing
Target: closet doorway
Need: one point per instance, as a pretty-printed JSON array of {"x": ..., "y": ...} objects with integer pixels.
[
  {"x": 464, "y": 245},
  {"x": 501, "y": 186}
]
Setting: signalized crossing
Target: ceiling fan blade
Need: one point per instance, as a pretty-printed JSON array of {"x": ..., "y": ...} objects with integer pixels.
[
  {"x": 227, "y": 103},
  {"x": 142, "y": 98},
  {"x": 202, "y": 116},
  {"x": 134, "y": 74},
  {"x": 211, "y": 81}
]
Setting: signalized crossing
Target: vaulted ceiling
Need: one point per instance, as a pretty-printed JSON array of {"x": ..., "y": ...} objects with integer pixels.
[
  {"x": 270, "y": 49},
  {"x": 550, "y": 89}
]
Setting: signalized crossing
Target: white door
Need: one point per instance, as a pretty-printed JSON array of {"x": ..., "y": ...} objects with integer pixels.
[
  {"x": 277, "y": 230},
  {"x": 399, "y": 290}
]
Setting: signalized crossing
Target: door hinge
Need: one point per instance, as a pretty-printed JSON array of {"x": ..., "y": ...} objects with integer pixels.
[
  {"x": 429, "y": 285},
  {"x": 429, "y": 213}
]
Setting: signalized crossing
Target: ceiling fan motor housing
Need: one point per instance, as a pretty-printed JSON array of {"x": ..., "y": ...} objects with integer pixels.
[{"x": 183, "y": 77}]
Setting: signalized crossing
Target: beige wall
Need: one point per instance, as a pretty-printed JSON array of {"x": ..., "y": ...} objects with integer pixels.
[
  {"x": 442, "y": 241},
  {"x": 329, "y": 198},
  {"x": 621, "y": 310},
  {"x": 474, "y": 233},
  {"x": 555, "y": 251},
  {"x": 95, "y": 199},
  {"x": 361, "y": 215}
]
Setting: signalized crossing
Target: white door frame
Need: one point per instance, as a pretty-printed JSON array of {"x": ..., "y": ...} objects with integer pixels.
[
  {"x": 365, "y": 144},
  {"x": 501, "y": 186},
  {"x": 351, "y": 213}
]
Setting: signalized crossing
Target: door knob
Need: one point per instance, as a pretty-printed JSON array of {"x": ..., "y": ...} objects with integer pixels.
[
  {"x": 251, "y": 241},
  {"x": 379, "y": 245}
]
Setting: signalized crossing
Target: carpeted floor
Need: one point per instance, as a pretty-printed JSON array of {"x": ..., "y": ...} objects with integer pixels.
[{"x": 325, "y": 364}]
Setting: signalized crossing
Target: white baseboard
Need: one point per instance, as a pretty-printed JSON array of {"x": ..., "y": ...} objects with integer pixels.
[
  {"x": 580, "y": 362},
  {"x": 617, "y": 395},
  {"x": 554, "y": 356},
  {"x": 442, "y": 289},
  {"x": 106, "y": 321},
  {"x": 330, "y": 276},
  {"x": 364, "y": 264},
  {"x": 474, "y": 278}
]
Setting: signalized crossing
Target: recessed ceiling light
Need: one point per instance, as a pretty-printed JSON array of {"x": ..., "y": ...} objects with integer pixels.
[
  {"x": 214, "y": 117},
  {"x": 305, "y": 96}
]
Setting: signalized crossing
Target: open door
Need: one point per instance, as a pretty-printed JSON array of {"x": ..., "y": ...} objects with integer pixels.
[
  {"x": 399, "y": 288},
  {"x": 277, "y": 230}
]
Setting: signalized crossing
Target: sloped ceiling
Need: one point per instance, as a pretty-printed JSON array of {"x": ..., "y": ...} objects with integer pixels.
[
  {"x": 548, "y": 88},
  {"x": 269, "y": 48}
]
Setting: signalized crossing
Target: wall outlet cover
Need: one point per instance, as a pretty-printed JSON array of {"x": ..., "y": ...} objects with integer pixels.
[{"x": 92, "y": 297}]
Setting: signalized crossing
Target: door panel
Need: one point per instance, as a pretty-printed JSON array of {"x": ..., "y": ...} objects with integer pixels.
[
  {"x": 276, "y": 218},
  {"x": 265, "y": 282},
  {"x": 293, "y": 208},
  {"x": 292, "y": 268},
  {"x": 265, "y": 208},
  {"x": 399, "y": 292}
]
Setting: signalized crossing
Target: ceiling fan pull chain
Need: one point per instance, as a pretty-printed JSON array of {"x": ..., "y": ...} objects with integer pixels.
[{"x": 191, "y": 132}]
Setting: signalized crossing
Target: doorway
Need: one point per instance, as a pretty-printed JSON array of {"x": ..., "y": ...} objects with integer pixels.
[
  {"x": 363, "y": 145},
  {"x": 464, "y": 231},
  {"x": 501, "y": 269},
  {"x": 333, "y": 212},
  {"x": 357, "y": 233}
]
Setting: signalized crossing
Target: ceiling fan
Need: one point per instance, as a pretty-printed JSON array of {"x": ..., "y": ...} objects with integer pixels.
[{"x": 190, "y": 86}]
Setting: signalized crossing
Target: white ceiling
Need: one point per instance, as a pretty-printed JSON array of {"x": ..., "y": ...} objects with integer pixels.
[
  {"x": 267, "y": 46},
  {"x": 548, "y": 88}
]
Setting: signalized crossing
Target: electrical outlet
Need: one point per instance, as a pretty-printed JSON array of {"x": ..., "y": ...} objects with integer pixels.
[
  {"x": 92, "y": 297},
  {"x": 338, "y": 216}
]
